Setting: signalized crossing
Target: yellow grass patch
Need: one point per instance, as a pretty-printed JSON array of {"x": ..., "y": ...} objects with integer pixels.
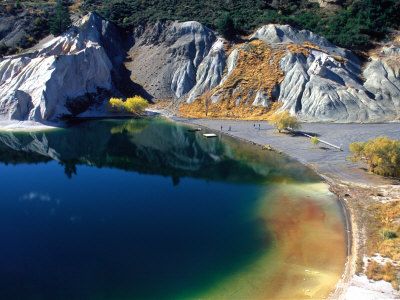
[
  {"x": 257, "y": 69},
  {"x": 385, "y": 239}
]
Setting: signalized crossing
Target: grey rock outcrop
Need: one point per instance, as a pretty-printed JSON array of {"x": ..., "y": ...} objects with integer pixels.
[
  {"x": 327, "y": 85},
  {"x": 382, "y": 76},
  {"x": 210, "y": 71},
  {"x": 36, "y": 85},
  {"x": 329, "y": 4},
  {"x": 166, "y": 57}
]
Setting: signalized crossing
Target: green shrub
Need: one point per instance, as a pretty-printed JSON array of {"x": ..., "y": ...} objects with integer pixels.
[
  {"x": 389, "y": 235},
  {"x": 353, "y": 26},
  {"x": 382, "y": 155},
  {"x": 314, "y": 140},
  {"x": 60, "y": 21},
  {"x": 226, "y": 27}
]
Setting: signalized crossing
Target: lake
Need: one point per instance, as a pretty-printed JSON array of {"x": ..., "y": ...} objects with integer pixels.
[{"x": 146, "y": 209}]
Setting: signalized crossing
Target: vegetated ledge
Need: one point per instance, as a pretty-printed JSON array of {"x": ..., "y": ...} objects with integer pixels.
[{"x": 360, "y": 194}]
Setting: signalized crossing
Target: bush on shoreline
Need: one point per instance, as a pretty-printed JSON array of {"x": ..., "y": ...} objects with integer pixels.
[
  {"x": 382, "y": 155},
  {"x": 134, "y": 105},
  {"x": 283, "y": 121}
]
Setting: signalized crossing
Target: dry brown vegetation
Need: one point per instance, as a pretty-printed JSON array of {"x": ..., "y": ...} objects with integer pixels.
[
  {"x": 387, "y": 272},
  {"x": 228, "y": 110},
  {"x": 374, "y": 212},
  {"x": 257, "y": 69},
  {"x": 386, "y": 219}
]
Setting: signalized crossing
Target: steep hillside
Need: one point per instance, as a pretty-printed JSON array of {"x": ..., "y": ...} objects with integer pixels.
[
  {"x": 165, "y": 57},
  {"x": 277, "y": 67},
  {"x": 22, "y": 24},
  {"x": 63, "y": 76}
]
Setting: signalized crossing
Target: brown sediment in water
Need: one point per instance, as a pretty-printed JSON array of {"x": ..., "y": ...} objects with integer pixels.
[
  {"x": 359, "y": 203},
  {"x": 309, "y": 249}
]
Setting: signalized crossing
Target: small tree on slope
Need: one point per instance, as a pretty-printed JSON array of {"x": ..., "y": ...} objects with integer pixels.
[
  {"x": 60, "y": 21},
  {"x": 226, "y": 26}
]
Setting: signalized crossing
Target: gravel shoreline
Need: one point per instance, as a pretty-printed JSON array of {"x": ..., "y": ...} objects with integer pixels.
[{"x": 345, "y": 178}]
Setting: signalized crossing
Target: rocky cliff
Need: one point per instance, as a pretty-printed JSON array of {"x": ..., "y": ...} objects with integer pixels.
[
  {"x": 165, "y": 57},
  {"x": 41, "y": 84},
  {"x": 304, "y": 74},
  {"x": 278, "y": 67}
]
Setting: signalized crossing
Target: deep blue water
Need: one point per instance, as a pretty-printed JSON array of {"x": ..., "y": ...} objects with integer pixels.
[{"x": 130, "y": 210}]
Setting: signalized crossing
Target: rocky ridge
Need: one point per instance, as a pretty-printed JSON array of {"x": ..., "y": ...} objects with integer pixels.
[
  {"x": 309, "y": 76},
  {"x": 278, "y": 67}
]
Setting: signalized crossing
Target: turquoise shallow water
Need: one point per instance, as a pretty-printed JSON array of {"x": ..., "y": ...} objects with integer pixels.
[{"x": 131, "y": 209}]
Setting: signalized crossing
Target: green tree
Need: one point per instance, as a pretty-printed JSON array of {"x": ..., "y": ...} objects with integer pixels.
[
  {"x": 60, "y": 21},
  {"x": 17, "y": 4},
  {"x": 226, "y": 26},
  {"x": 381, "y": 154}
]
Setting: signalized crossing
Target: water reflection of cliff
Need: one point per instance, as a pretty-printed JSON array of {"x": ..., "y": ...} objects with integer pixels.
[{"x": 149, "y": 146}]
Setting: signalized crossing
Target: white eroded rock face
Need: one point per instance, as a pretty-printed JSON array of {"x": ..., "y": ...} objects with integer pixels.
[
  {"x": 37, "y": 84},
  {"x": 210, "y": 71},
  {"x": 328, "y": 83},
  {"x": 166, "y": 57},
  {"x": 382, "y": 76},
  {"x": 325, "y": 85}
]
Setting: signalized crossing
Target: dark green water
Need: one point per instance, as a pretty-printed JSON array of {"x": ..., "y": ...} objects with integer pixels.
[{"x": 138, "y": 209}]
